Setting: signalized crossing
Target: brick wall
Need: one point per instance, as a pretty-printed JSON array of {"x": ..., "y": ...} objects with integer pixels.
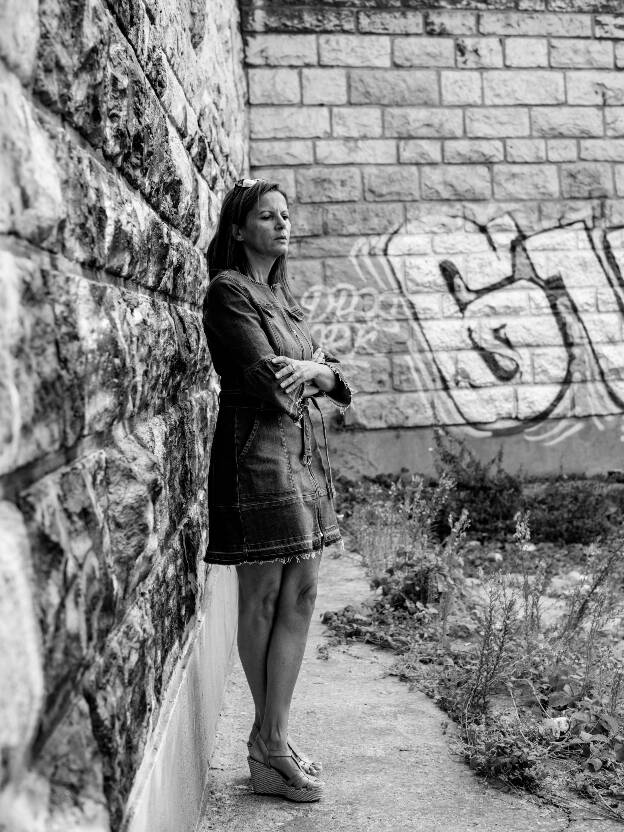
[
  {"x": 122, "y": 124},
  {"x": 456, "y": 171}
]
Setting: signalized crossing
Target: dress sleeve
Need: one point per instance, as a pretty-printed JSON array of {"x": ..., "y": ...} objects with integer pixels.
[
  {"x": 232, "y": 320},
  {"x": 341, "y": 394}
]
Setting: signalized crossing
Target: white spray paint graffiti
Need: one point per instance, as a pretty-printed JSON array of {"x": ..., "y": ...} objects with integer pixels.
[{"x": 504, "y": 331}]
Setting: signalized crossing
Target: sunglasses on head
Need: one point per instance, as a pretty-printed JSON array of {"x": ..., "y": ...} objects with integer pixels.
[{"x": 247, "y": 183}]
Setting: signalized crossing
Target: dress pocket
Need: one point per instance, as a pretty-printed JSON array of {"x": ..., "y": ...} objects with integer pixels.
[{"x": 247, "y": 424}]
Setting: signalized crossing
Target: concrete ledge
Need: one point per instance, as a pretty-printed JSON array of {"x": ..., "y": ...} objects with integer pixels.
[{"x": 167, "y": 792}]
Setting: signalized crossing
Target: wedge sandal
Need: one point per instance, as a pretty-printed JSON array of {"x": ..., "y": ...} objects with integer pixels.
[
  {"x": 265, "y": 779},
  {"x": 310, "y": 767}
]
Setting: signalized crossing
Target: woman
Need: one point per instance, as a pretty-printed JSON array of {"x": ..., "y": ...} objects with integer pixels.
[{"x": 270, "y": 494}]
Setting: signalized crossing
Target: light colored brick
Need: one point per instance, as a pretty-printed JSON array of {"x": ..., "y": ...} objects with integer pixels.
[
  {"x": 595, "y": 87},
  {"x": 467, "y": 151},
  {"x": 561, "y": 150},
  {"x": 619, "y": 55},
  {"x": 288, "y": 122},
  {"x": 285, "y": 178},
  {"x": 525, "y": 150},
  {"x": 614, "y": 121},
  {"x": 391, "y": 184},
  {"x": 461, "y": 87},
  {"x": 609, "y": 25},
  {"x": 356, "y": 122},
  {"x": 368, "y": 375},
  {"x": 307, "y": 221},
  {"x": 392, "y": 410},
  {"x": 567, "y": 121},
  {"x": 512, "y": 23},
  {"x": 420, "y": 151},
  {"x": 456, "y": 182},
  {"x": 324, "y": 86},
  {"x": 523, "y": 87},
  {"x": 281, "y": 153},
  {"x": 525, "y": 182},
  {"x": 479, "y": 52},
  {"x": 354, "y": 50},
  {"x": 356, "y": 151},
  {"x": 363, "y": 218},
  {"x": 602, "y": 150},
  {"x": 274, "y": 86},
  {"x": 335, "y": 184},
  {"x": 394, "y": 22},
  {"x": 420, "y": 122},
  {"x": 450, "y": 23},
  {"x": 586, "y": 180},
  {"x": 577, "y": 53},
  {"x": 281, "y": 50},
  {"x": 524, "y": 52},
  {"x": 503, "y": 121},
  {"x": 398, "y": 86},
  {"x": 424, "y": 52}
]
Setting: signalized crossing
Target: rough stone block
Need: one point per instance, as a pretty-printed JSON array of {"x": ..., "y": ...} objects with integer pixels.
[
  {"x": 391, "y": 183},
  {"x": 19, "y": 31},
  {"x": 289, "y": 122},
  {"x": 609, "y": 25},
  {"x": 356, "y": 151},
  {"x": 619, "y": 55},
  {"x": 573, "y": 53},
  {"x": 368, "y": 375},
  {"x": 356, "y": 122},
  {"x": 561, "y": 150},
  {"x": 503, "y": 121},
  {"x": 502, "y": 87},
  {"x": 335, "y": 184},
  {"x": 305, "y": 275},
  {"x": 595, "y": 87},
  {"x": 421, "y": 122},
  {"x": 619, "y": 179},
  {"x": 324, "y": 86},
  {"x": 479, "y": 52},
  {"x": 307, "y": 220},
  {"x": 391, "y": 410},
  {"x": 281, "y": 153},
  {"x": 450, "y": 23},
  {"x": 298, "y": 20},
  {"x": 567, "y": 121},
  {"x": 394, "y": 87},
  {"x": 512, "y": 23},
  {"x": 456, "y": 182},
  {"x": 609, "y": 150},
  {"x": 395, "y": 22},
  {"x": 354, "y": 50},
  {"x": 284, "y": 177},
  {"x": 420, "y": 151},
  {"x": 461, "y": 87},
  {"x": 614, "y": 121},
  {"x": 281, "y": 50},
  {"x": 380, "y": 337},
  {"x": 424, "y": 51},
  {"x": 586, "y": 180},
  {"x": 467, "y": 151},
  {"x": 526, "y": 52},
  {"x": 274, "y": 86},
  {"x": 31, "y": 205},
  {"x": 526, "y": 182},
  {"x": 525, "y": 150},
  {"x": 363, "y": 218}
]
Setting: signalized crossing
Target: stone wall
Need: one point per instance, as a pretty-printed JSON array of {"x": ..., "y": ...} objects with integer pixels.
[
  {"x": 122, "y": 125},
  {"x": 457, "y": 170}
]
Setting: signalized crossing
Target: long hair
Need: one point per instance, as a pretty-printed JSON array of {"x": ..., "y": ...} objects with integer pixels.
[{"x": 224, "y": 252}]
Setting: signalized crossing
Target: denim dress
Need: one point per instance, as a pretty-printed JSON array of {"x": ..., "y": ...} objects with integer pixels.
[{"x": 270, "y": 491}]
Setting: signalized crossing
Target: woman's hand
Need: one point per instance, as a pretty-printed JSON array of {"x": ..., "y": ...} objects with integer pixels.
[{"x": 294, "y": 372}]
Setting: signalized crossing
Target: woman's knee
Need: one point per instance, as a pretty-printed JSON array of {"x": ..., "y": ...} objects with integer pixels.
[
  {"x": 258, "y": 598},
  {"x": 299, "y": 599}
]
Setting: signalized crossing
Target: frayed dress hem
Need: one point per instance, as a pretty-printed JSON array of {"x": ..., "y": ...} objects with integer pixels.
[{"x": 230, "y": 559}]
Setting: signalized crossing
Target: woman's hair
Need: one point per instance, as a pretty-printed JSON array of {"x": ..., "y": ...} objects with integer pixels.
[{"x": 224, "y": 252}]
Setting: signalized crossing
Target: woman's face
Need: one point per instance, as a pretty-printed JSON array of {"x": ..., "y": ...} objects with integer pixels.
[{"x": 266, "y": 231}]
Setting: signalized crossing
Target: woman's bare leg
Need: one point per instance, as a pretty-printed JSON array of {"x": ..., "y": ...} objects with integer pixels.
[
  {"x": 258, "y": 591},
  {"x": 293, "y": 613}
]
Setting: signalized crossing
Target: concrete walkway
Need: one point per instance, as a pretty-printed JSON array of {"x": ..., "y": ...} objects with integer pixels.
[{"x": 387, "y": 763}]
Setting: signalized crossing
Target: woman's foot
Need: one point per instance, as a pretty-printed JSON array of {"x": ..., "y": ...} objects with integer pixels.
[
  {"x": 310, "y": 767},
  {"x": 277, "y": 756}
]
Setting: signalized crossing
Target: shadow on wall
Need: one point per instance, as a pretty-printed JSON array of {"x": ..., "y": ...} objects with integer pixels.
[{"x": 490, "y": 328}]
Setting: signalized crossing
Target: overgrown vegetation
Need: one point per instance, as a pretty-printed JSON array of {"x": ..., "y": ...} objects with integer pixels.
[{"x": 524, "y": 656}]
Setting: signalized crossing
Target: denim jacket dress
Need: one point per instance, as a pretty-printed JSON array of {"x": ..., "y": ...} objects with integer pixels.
[{"x": 270, "y": 491}]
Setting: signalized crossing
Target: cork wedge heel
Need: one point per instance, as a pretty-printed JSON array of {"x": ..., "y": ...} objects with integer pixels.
[{"x": 265, "y": 779}]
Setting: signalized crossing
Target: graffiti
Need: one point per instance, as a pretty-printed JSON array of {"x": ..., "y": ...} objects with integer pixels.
[{"x": 505, "y": 331}]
